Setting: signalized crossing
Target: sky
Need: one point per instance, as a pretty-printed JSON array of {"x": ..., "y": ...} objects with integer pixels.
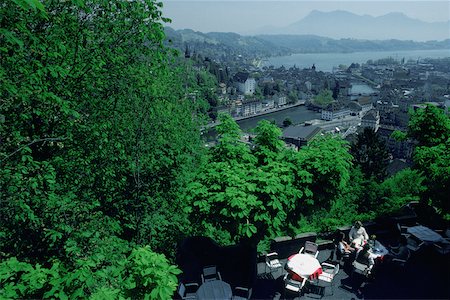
[{"x": 247, "y": 17}]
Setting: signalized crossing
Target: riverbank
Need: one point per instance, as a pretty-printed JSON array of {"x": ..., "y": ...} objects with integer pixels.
[{"x": 266, "y": 112}]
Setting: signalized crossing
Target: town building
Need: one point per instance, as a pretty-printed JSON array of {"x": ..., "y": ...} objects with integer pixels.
[
  {"x": 245, "y": 83},
  {"x": 371, "y": 120},
  {"x": 300, "y": 135},
  {"x": 335, "y": 111}
]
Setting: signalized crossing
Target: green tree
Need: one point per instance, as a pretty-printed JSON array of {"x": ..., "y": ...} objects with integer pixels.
[
  {"x": 287, "y": 122},
  {"x": 98, "y": 137},
  {"x": 249, "y": 194},
  {"x": 430, "y": 127},
  {"x": 143, "y": 274},
  {"x": 371, "y": 154},
  {"x": 329, "y": 162},
  {"x": 323, "y": 98},
  {"x": 400, "y": 189}
]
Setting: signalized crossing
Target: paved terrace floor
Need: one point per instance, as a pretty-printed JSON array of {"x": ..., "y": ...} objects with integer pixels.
[{"x": 426, "y": 276}]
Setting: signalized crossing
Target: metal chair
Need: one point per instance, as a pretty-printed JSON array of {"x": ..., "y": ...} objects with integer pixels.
[
  {"x": 272, "y": 261},
  {"x": 310, "y": 248},
  {"x": 329, "y": 271},
  {"x": 188, "y": 290},
  {"x": 210, "y": 273},
  {"x": 413, "y": 243},
  {"x": 241, "y": 293},
  {"x": 442, "y": 247},
  {"x": 293, "y": 285},
  {"x": 361, "y": 269}
]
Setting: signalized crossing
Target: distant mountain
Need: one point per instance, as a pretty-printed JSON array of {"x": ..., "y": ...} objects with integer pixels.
[
  {"x": 343, "y": 24},
  {"x": 218, "y": 44},
  {"x": 224, "y": 46}
]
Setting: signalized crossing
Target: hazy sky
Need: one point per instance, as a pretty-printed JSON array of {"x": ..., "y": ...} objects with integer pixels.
[{"x": 245, "y": 17}]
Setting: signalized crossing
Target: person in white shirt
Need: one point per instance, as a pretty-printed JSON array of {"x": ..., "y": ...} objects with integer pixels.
[{"x": 358, "y": 234}]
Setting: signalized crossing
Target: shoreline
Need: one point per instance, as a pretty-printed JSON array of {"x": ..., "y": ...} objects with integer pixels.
[{"x": 266, "y": 112}]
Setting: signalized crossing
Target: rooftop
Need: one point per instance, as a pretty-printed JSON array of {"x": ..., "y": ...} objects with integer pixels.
[{"x": 301, "y": 132}]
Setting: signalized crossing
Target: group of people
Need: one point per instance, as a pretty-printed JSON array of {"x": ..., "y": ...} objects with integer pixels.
[{"x": 359, "y": 246}]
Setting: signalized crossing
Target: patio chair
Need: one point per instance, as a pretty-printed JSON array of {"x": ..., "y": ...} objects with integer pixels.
[
  {"x": 188, "y": 290},
  {"x": 272, "y": 261},
  {"x": 310, "y": 248},
  {"x": 413, "y": 243},
  {"x": 210, "y": 273},
  {"x": 329, "y": 271},
  {"x": 442, "y": 247},
  {"x": 401, "y": 262},
  {"x": 241, "y": 293},
  {"x": 361, "y": 269},
  {"x": 293, "y": 285}
]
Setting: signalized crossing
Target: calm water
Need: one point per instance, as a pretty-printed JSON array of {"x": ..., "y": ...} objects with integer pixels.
[
  {"x": 297, "y": 114},
  {"x": 326, "y": 61}
]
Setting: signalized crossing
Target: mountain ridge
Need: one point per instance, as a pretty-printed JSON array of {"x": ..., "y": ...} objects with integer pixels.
[
  {"x": 344, "y": 24},
  {"x": 221, "y": 44}
]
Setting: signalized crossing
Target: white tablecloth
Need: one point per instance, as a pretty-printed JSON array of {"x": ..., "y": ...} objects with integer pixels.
[
  {"x": 378, "y": 250},
  {"x": 424, "y": 234},
  {"x": 303, "y": 264}
]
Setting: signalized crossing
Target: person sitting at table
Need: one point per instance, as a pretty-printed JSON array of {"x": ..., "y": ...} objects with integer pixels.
[
  {"x": 358, "y": 234},
  {"x": 364, "y": 257},
  {"x": 344, "y": 248}
]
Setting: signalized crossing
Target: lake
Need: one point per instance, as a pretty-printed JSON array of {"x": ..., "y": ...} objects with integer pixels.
[{"x": 326, "y": 61}]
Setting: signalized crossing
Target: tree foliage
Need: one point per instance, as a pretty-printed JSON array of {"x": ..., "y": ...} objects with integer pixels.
[
  {"x": 370, "y": 153},
  {"x": 323, "y": 98},
  {"x": 249, "y": 193},
  {"x": 98, "y": 137},
  {"x": 430, "y": 128}
]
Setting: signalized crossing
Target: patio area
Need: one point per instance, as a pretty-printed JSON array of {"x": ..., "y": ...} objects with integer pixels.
[{"x": 425, "y": 276}]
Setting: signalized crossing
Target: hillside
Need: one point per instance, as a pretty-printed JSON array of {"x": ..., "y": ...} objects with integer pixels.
[{"x": 221, "y": 45}]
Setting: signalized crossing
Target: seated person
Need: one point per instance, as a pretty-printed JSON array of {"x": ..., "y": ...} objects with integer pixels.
[
  {"x": 364, "y": 257},
  {"x": 343, "y": 247},
  {"x": 358, "y": 234}
]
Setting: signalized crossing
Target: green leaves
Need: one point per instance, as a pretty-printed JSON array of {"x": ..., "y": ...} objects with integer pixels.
[
  {"x": 144, "y": 274},
  {"x": 253, "y": 192}
]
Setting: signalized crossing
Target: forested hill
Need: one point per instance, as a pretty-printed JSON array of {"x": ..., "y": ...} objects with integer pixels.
[
  {"x": 221, "y": 44},
  {"x": 317, "y": 44}
]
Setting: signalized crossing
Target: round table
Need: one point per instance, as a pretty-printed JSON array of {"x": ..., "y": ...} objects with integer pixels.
[
  {"x": 215, "y": 289},
  {"x": 304, "y": 265},
  {"x": 378, "y": 250}
]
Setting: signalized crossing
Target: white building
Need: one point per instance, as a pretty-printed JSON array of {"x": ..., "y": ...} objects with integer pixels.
[
  {"x": 334, "y": 111},
  {"x": 245, "y": 84}
]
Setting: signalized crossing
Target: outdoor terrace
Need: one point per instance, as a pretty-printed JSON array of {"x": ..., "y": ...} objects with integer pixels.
[{"x": 426, "y": 274}]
